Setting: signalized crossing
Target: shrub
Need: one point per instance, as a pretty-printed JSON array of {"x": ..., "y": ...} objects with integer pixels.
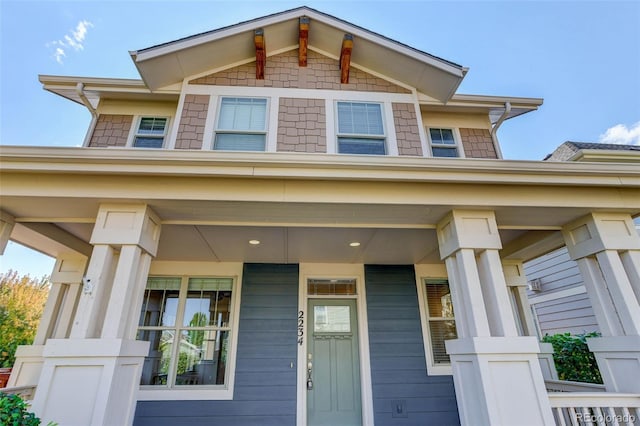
[
  {"x": 13, "y": 412},
  {"x": 572, "y": 357}
]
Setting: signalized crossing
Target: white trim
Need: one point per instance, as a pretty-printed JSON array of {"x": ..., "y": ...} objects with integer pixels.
[
  {"x": 389, "y": 126},
  {"x": 573, "y": 291},
  {"x": 330, "y": 130},
  {"x": 210, "y": 122},
  {"x": 424, "y": 272},
  {"x": 173, "y": 134},
  {"x": 424, "y": 139},
  {"x": 271, "y": 92},
  {"x": 191, "y": 269},
  {"x": 271, "y": 124},
  {"x": 336, "y": 270}
]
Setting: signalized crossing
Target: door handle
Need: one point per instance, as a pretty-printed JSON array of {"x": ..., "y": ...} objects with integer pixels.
[{"x": 309, "y": 373}]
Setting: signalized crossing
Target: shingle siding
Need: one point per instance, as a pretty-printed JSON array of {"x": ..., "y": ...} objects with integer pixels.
[
  {"x": 265, "y": 387},
  {"x": 398, "y": 365},
  {"x": 407, "y": 132},
  {"x": 478, "y": 143},
  {"x": 282, "y": 70},
  {"x": 111, "y": 130},
  {"x": 192, "y": 121},
  {"x": 302, "y": 125}
]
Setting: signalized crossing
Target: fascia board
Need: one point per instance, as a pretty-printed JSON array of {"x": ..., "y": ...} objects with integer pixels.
[
  {"x": 172, "y": 47},
  {"x": 332, "y": 167}
]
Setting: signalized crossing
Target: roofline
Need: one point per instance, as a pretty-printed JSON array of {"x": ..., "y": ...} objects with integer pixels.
[
  {"x": 122, "y": 161},
  {"x": 534, "y": 102},
  {"x": 173, "y": 46}
]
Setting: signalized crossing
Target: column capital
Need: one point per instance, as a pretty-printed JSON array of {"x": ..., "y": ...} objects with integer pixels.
[
  {"x": 470, "y": 229},
  {"x": 514, "y": 273},
  {"x": 127, "y": 224},
  {"x": 69, "y": 269},
  {"x": 598, "y": 232}
]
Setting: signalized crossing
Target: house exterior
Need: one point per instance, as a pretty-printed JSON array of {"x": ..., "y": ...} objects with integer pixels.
[
  {"x": 319, "y": 232},
  {"x": 557, "y": 295}
]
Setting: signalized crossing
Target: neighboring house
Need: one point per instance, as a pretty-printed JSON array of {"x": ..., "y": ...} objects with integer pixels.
[
  {"x": 324, "y": 225},
  {"x": 557, "y": 294}
]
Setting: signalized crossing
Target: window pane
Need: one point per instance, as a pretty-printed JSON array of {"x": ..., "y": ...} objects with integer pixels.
[
  {"x": 242, "y": 114},
  {"x": 439, "y": 300},
  {"x": 147, "y": 142},
  {"x": 202, "y": 357},
  {"x": 444, "y": 152},
  {"x": 447, "y": 137},
  {"x": 361, "y": 146},
  {"x": 239, "y": 142},
  {"x": 360, "y": 118},
  {"x": 152, "y": 126},
  {"x": 441, "y": 331},
  {"x": 332, "y": 319},
  {"x": 208, "y": 302},
  {"x": 160, "y": 304},
  {"x": 156, "y": 366},
  {"x": 326, "y": 287}
]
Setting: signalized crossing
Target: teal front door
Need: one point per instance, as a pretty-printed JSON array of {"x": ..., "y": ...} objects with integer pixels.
[{"x": 333, "y": 364}]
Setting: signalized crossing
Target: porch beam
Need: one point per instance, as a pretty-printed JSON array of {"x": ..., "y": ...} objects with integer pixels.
[{"x": 6, "y": 227}]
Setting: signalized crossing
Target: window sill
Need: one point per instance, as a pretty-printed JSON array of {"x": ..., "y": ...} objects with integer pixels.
[{"x": 149, "y": 394}]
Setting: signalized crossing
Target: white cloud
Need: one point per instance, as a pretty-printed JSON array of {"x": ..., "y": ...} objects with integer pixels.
[
  {"x": 74, "y": 40},
  {"x": 621, "y": 134}
]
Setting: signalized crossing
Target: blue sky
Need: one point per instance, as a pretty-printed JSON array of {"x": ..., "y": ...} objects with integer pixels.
[{"x": 582, "y": 57}]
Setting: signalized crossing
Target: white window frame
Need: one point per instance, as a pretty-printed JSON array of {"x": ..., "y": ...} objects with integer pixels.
[
  {"x": 264, "y": 132},
  {"x": 135, "y": 131},
  {"x": 187, "y": 270},
  {"x": 384, "y": 137},
  {"x": 433, "y": 369},
  {"x": 456, "y": 138}
]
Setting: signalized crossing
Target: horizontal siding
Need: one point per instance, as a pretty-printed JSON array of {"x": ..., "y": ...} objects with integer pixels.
[
  {"x": 265, "y": 384},
  {"x": 398, "y": 365},
  {"x": 571, "y": 314}
]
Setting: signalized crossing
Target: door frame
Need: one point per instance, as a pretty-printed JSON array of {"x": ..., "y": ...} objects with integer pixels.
[{"x": 330, "y": 271}]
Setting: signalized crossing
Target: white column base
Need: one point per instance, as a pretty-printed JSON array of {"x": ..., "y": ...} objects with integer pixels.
[
  {"x": 547, "y": 365},
  {"x": 26, "y": 370},
  {"x": 618, "y": 359},
  {"x": 89, "y": 381},
  {"x": 498, "y": 381}
]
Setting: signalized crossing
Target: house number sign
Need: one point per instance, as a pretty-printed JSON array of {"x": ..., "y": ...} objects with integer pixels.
[{"x": 300, "y": 327}]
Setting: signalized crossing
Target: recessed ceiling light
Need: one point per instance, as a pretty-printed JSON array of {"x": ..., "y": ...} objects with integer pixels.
[
  {"x": 254, "y": 242},
  {"x": 354, "y": 244}
]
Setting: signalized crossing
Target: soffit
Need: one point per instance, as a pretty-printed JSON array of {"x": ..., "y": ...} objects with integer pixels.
[{"x": 170, "y": 63}]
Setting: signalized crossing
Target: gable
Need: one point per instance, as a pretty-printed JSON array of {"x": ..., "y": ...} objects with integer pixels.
[{"x": 282, "y": 70}]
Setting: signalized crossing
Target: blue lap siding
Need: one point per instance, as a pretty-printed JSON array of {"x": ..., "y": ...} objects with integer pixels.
[
  {"x": 398, "y": 365},
  {"x": 265, "y": 386}
]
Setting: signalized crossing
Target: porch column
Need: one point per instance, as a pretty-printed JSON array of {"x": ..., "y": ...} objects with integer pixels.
[
  {"x": 55, "y": 322},
  {"x": 496, "y": 373},
  {"x": 606, "y": 247},
  {"x": 517, "y": 284},
  {"x": 6, "y": 226},
  {"x": 101, "y": 362}
]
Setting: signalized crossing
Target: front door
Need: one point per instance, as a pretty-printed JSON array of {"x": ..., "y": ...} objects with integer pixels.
[{"x": 333, "y": 364}]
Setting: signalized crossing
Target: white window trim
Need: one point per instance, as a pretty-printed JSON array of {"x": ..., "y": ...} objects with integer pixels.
[
  {"x": 197, "y": 269},
  {"x": 384, "y": 116},
  {"x": 133, "y": 131},
  {"x": 422, "y": 275},
  {"x": 267, "y": 122},
  {"x": 456, "y": 138}
]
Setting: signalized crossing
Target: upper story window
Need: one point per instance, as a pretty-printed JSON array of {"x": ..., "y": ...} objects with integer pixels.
[
  {"x": 441, "y": 324},
  {"x": 150, "y": 133},
  {"x": 360, "y": 128},
  {"x": 443, "y": 143},
  {"x": 187, "y": 322},
  {"x": 241, "y": 125}
]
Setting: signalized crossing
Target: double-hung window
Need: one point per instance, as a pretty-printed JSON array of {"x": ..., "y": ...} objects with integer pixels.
[
  {"x": 360, "y": 128},
  {"x": 443, "y": 143},
  {"x": 187, "y": 322},
  {"x": 150, "y": 132},
  {"x": 241, "y": 125},
  {"x": 440, "y": 320}
]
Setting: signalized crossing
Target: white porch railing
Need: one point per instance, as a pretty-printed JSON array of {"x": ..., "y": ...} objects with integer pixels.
[
  {"x": 595, "y": 408},
  {"x": 24, "y": 392},
  {"x": 568, "y": 386}
]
